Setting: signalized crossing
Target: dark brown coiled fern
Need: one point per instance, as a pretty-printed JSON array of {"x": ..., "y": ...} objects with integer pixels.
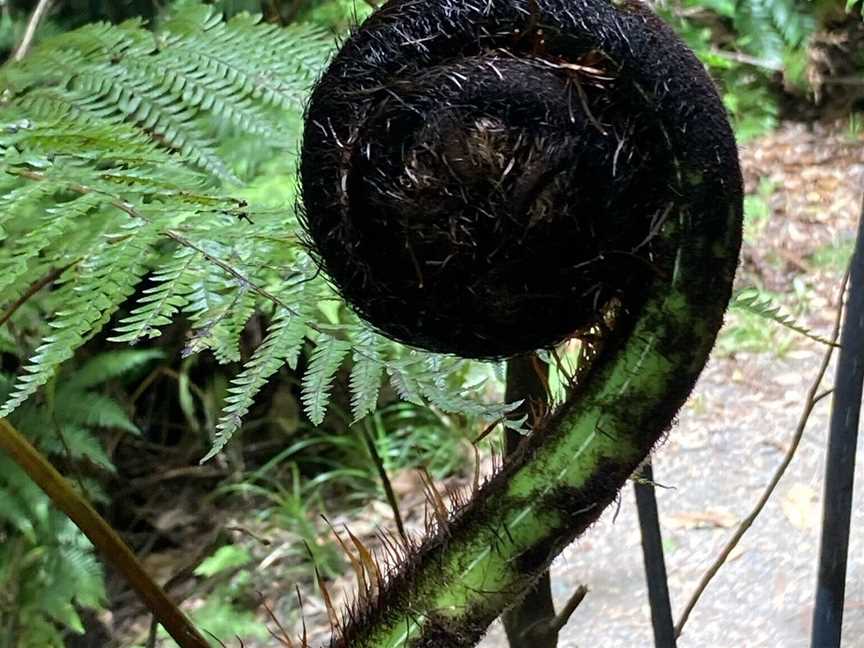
[{"x": 489, "y": 177}]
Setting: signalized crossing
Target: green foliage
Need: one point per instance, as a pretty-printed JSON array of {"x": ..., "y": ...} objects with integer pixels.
[
  {"x": 281, "y": 346},
  {"x": 224, "y": 558},
  {"x": 47, "y": 567},
  {"x": 318, "y": 381},
  {"x": 123, "y": 158},
  {"x": 754, "y": 303},
  {"x": 774, "y": 30},
  {"x": 409, "y": 437},
  {"x": 757, "y": 210},
  {"x": 749, "y": 45},
  {"x": 225, "y": 612}
]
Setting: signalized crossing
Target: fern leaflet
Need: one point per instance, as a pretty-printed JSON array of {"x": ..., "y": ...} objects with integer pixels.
[
  {"x": 761, "y": 305},
  {"x": 318, "y": 381},
  {"x": 365, "y": 380},
  {"x": 284, "y": 338},
  {"x": 107, "y": 278}
]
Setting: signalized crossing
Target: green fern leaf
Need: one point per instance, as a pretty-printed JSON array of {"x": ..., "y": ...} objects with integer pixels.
[
  {"x": 76, "y": 442},
  {"x": 176, "y": 85},
  {"x": 404, "y": 379},
  {"x": 282, "y": 345},
  {"x": 365, "y": 380},
  {"x": 228, "y": 330},
  {"x": 47, "y": 231},
  {"x": 105, "y": 280},
  {"x": 160, "y": 303},
  {"x": 757, "y": 304},
  {"x": 95, "y": 410},
  {"x": 110, "y": 365},
  {"x": 318, "y": 381}
]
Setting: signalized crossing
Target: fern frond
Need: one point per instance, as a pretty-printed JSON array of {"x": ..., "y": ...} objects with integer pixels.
[
  {"x": 46, "y": 231},
  {"x": 76, "y": 442},
  {"x": 771, "y": 28},
  {"x": 226, "y": 333},
  {"x": 403, "y": 378},
  {"x": 95, "y": 411},
  {"x": 103, "y": 282},
  {"x": 365, "y": 380},
  {"x": 758, "y": 304},
  {"x": 161, "y": 302},
  {"x": 793, "y": 19},
  {"x": 110, "y": 365},
  {"x": 282, "y": 345},
  {"x": 318, "y": 381},
  {"x": 175, "y": 85},
  {"x": 261, "y": 61}
]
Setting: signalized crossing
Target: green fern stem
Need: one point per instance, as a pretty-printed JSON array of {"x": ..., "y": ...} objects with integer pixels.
[{"x": 565, "y": 476}]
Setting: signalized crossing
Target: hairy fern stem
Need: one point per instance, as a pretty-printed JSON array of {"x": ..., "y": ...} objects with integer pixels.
[{"x": 452, "y": 88}]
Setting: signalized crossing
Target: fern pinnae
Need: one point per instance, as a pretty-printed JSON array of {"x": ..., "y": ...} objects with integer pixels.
[
  {"x": 791, "y": 21},
  {"x": 284, "y": 338},
  {"x": 365, "y": 379},
  {"x": 150, "y": 108},
  {"x": 318, "y": 381},
  {"x": 105, "y": 280},
  {"x": 203, "y": 90},
  {"x": 228, "y": 331},
  {"x": 763, "y": 306},
  {"x": 278, "y": 74},
  {"x": 109, "y": 365},
  {"x": 46, "y": 232},
  {"x": 403, "y": 378},
  {"x": 162, "y": 301}
]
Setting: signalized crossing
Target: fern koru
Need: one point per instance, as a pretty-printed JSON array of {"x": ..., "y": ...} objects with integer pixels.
[
  {"x": 486, "y": 177},
  {"x": 114, "y": 187}
]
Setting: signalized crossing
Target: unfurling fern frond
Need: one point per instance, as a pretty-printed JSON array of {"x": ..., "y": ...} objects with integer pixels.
[
  {"x": 756, "y": 303},
  {"x": 318, "y": 381}
]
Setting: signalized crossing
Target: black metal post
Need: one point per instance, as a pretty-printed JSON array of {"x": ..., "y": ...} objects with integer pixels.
[
  {"x": 840, "y": 464},
  {"x": 655, "y": 563}
]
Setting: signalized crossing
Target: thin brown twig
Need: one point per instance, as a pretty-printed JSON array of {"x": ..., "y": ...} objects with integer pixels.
[
  {"x": 36, "y": 19},
  {"x": 813, "y": 397},
  {"x": 100, "y": 533},
  {"x": 49, "y": 278},
  {"x": 386, "y": 483},
  {"x": 569, "y": 608}
]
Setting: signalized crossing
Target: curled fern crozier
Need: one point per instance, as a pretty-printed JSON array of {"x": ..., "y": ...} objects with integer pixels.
[{"x": 489, "y": 177}]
